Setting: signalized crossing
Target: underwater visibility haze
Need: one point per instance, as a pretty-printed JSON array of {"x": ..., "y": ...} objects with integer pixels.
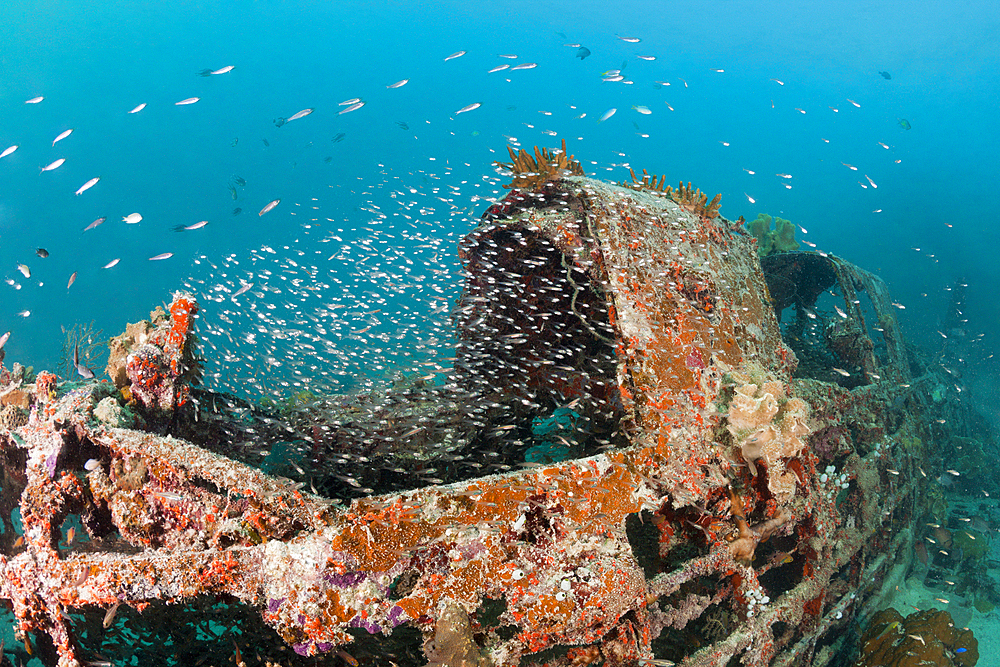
[{"x": 307, "y": 172}]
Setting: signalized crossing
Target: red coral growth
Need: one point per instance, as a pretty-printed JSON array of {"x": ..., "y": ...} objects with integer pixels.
[
  {"x": 182, "y": 311},
  {"x": 161, "y": 369}
]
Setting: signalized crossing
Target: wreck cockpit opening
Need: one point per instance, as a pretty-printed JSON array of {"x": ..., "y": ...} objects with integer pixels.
[
  {"x": 840, "y": 332},
  {"x": 535, "y": 339}
]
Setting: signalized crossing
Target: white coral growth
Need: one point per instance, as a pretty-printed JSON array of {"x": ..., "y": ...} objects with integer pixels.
[{"x": 763, "y": 429}]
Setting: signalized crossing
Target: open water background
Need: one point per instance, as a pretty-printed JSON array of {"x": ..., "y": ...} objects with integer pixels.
[{"x": 94, "y": 61}]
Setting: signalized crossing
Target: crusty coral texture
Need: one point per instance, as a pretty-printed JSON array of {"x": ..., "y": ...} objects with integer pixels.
[{"x": 923, "y": 638}]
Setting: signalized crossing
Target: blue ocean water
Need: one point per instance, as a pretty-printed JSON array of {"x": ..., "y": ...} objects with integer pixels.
[{"x": 748, "y": 91}]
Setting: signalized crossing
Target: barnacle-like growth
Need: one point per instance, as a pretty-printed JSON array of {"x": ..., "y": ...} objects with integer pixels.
[
  {"x": 690, "y": 200},
  {"x": 532, "y": 172}
]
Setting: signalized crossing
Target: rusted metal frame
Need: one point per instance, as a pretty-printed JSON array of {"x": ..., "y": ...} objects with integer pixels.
[{"x": 851, "y": 278}]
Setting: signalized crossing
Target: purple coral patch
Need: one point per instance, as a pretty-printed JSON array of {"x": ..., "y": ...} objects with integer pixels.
[
  {"x": 394, "y": 616},
  {"x": 358, "y": 622},
  {"x": 274, "y": 605},
  {"x": 50, "y": 463},
  {"x": 306, "y": 648},
  {"x": 344, "y": 580}
]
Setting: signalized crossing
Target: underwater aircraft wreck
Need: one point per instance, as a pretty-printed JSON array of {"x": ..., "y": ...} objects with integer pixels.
[{"x": 693, "y": 479}]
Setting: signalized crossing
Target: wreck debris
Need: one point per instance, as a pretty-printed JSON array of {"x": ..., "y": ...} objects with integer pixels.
[{"x": 651, "y": 320}]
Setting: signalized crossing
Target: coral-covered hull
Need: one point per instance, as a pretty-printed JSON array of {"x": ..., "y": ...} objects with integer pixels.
[{"x": 714, "y": 528}]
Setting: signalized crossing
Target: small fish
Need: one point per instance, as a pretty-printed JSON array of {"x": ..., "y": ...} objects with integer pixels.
[
  {"x": 132, "y": 219},
  {"x": 269, "y": 207},
  {"x": 883, "y": 145},
  {"x": 607, "y": 114},
  {"x": 840, "y": 312},
  {"x": 509, "y": 55},
  {"x": 224, "y": 70},
  {"x": 190, "y": 100},
  {"x": 842, "y": 372},
  {"x": 616, "y": 77},
  {"x": 162, "y": 255},
  {"x": 871, "y": 181},
  {"x": 86, "y": 186},
  {"x": 643, "y": 110},
  {"x": 854, "y": 103},
  {"x": 72, "y": 279},
  {"x": 498, "y": 68},
  {"x": 348, "y": 658},
  {"x": 300, "y": 114},
  {"x": 3, "y": 339},
  {"x": 780, "y": 83},
  {"x": 235, "y": 142},
  {"x": 42, "y": 252},
  {"x": 398, "y": 84},
  {"x": 80, "y": 368},
  {"x": 402, "y": 125},
  {"x": 242, "y": 290},
  {"x": 470, "y": 107},
  {"x": 267, "y": 144},
  {"x": 582, "y": 52},
  {"x": 232, "y": 191},
  {"x": 237, "y": 210},
  {"x": 905, "y": 124},
  {"x": 197, "y": 225},
  {"x": 109, "y": 617},
  {"x": 54, "y": 165},
  {"x": 885, "y": 75},
  {"x": 62, "y": 136},
  {"x": 718, "y": 71},
  {"x": 524, "y": 66},
  {"x": 8, "y": 151},
  {"x": 95, "y": 223},
  {"x": 749, "y": 198},
  {"x": 337, "y": 138},
  {"x": 849, "y": 166},
  {"x": 630, "y": 40},
  {"x": 240, "y": 181},
  {"x": 23, "y": 268},
  {"x": 353, "y": 107},
  {"x": 112, "y": 263},
  {"x": 34, "y": 100},
  {"x": 138, "y": 108},
  {"x": 457, "y": 54}
]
